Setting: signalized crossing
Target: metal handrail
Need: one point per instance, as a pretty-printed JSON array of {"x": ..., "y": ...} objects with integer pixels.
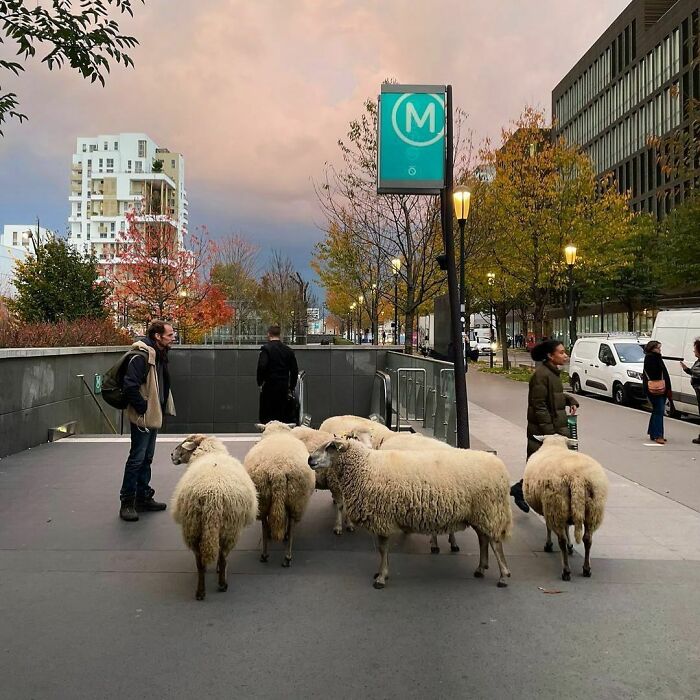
[
  {"x": 407, "y": 371},
  {"x": 97, "y": 403},
  {"x": 383, "y": 414},
  {"x": 300, "y": 393}
]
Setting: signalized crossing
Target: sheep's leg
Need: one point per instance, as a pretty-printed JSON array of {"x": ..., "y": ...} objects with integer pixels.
[
  {"x": 548, "y": 546},
  {"x": 288, "y": 555},
  {"x": 221, "y": 568},
  {"x": 483, "y": 554},
  {"x": 264, "y": 556},
  {"x": 502, "y": 564},
  {"x": 201, "y": 570},
  {"x": 381, "y": 577},
  {"x": 434, "y": 547},
  {"x": 349, "y": 525},
  {"x": 338, "y": 527},
  {"x": 569, "y": 546},
  {"x": 566, "y": 571},
  {"x": 454, "y": 547},
  {"x": 587, "y": 542}
]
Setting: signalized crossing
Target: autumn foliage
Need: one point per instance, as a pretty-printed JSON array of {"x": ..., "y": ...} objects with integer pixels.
[{"x": 83, "y": 332}]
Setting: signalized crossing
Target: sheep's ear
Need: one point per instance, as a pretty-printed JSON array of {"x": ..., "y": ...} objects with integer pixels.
[
  {"x": 260, "y": 427},
  {"x": 291, "y": 425},
  {"x": 342, "y": 445},
  {"x": 539, "y": 438},
  {"x": 189, "y": 445},
  {"x": 571, "y": 442}
]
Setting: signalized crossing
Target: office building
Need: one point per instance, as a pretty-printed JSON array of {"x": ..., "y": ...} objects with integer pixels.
[
  {"x": 634, "y": 84},
  {"x": 112, "y": 175}
]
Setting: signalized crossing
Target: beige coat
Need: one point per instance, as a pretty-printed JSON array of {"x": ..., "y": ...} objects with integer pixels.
[{"x": 149, "y": 390}]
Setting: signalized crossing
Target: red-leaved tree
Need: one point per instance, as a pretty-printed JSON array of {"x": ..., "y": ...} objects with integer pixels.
[{"x": 154, "y": 275}]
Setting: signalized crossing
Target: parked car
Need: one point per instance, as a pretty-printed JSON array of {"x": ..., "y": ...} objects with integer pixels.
[
  {"x": 676, "y": 330},
  {"x": 608, "y": 364}
]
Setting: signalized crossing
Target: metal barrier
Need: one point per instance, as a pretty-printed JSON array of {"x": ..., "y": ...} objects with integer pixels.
[
  {"x": 303, "y": 417},
  {"x": 414, "y": 407},
  {"x": 381, "y": 407}
]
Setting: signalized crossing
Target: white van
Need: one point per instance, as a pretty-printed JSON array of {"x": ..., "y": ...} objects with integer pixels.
[
  {"x": 676, "y": 330},
  {"x": 608, "y": 364}
]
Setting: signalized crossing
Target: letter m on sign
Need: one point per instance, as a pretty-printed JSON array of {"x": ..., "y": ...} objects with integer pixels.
[{"x": 412, "y": 116}]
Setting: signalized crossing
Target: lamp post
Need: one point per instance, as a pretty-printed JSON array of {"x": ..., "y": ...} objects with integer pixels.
[
  {"x": 491, "y": 280},
  {"x": 396, "y": 266},
  {"x": 360, "y": 301},
  {"x": 374, "y": 322},
  {"x": 570, "y": 257},
  {"x": 183, "y": 300},
  {"x": 461, "y": 198},
  {"x": 351, "y": 317}
]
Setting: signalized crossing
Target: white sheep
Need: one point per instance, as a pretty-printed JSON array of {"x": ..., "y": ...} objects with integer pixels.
[
  {"x": 344, "y": 425},
  {"x": 395, "y": 491},
  {"x": 213, "y": 501},
  {"x": 567, "y": 488},
  {"x": 326, "y": 479},
  {"x": 279, "y": 469},
  {"x": 421, "y": 443}
]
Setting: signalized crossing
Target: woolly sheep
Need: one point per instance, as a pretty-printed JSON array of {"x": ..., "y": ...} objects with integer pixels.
[
  {"x": 278, "y": 467},
  {"x": 421, "y": 443},
  {"x": 325, "y": 478},
  {"x": 394, "y": 491},
  {"x": 567, "y": 488},
  {"x": 213, "y": 501},
  {"x": 344, "y": 425}
]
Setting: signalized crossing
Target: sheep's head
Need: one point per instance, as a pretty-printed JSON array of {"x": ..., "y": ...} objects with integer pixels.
[
  {"x": 184, "y": 451},
  {"x": 557, "y": 441},
  {"x": 274, "y": 427},
  {"x": 324, "y": 456}
]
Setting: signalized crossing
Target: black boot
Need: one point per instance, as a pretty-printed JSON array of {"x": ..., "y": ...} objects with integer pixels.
[
  {"x": 148, "y": 504},
  {"x": 516, "y": 491},
  {"x": 128, "y": 511},
  {"x": 697, "y": 440}
]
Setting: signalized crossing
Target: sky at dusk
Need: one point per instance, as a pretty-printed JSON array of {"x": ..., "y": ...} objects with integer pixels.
[{"x": 257, "y": 94}]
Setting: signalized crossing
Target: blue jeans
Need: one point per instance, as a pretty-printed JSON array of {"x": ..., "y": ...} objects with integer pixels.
[
  {"x": 656, "y": 419},
  {"x": 137, "y": 471}
]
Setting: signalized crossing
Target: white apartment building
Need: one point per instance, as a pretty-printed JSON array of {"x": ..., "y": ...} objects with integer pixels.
[
  {"x": 15, "y": 244},
  {"x": 114, "y": 174}
]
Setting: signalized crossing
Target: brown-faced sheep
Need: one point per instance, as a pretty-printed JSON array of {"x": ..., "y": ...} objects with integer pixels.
[
  {"x": 213, "y": 501},
  {"x": 279, "y": 469},
  {"x": 394, "y": 491},
  {"x": 567, "y": 488}
]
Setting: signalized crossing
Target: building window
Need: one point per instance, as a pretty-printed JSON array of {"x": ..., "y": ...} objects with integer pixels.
[
  {"x": 110, "y": 165},
  {"x": 172, "y": 163},
  {"x": 106, "y": 146},
  {"x": 139, "y": 167},
  {"x": 84, "y": 148},
  {"x": 116, "y": 145},
  {"x": 142, "y": 148},
  {"x": 128, "y": 166},
  {"x": 112, "y": 226},
  {"x": 93, "y": 147}
]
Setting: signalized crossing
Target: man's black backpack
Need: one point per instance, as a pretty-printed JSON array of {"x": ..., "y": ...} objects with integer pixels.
[{"x": 113, "y": 381}]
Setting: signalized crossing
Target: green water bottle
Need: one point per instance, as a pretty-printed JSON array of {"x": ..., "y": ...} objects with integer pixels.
[{"x": 571, "y": 421}]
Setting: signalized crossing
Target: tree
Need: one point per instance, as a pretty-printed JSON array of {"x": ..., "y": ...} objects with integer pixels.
[
  {"x": 57, "y": 283},
  {"x": 86, "y": 40},
  {"x": 278, "y": 294},
  {"x": 545, "y": 195},
  {"x": 155, "y": 276},
  {"x": 678, "y": 247}
]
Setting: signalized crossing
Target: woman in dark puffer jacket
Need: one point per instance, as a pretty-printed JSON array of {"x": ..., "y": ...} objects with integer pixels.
[{"x": 655, "y": 370}]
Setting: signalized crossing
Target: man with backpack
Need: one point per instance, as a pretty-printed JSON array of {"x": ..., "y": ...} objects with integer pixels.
[{"x": 146, "y": 387}]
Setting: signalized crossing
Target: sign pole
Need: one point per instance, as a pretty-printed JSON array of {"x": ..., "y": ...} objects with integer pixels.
[{"x": 455, "y": 314}]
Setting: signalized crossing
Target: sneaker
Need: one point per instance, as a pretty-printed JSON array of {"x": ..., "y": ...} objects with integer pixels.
[
  {"x": 149, "y": 505},
  {"x": 128, "y": 512},
  {"x": 660, "y": 441},
  {"x": 697, "y": 440},
  {"x": 516, "y": 491}
]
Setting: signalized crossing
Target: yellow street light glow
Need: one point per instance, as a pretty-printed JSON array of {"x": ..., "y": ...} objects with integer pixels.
[
  {"x": 461, "y": 198},
  {"x": 491, "y": 277},
  {"x": 570, "y": 254},
  {"x": 396, "y": 265}
]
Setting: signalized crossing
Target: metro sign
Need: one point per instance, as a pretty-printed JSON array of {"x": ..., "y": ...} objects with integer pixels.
[{"x": 411, "y": 139}]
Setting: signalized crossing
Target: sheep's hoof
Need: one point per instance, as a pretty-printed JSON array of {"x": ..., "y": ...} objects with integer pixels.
[
  {"x": 478, "y": 574},
  {"x": 223, "y": 587},
  {"x": 199, "y": 595},
  {"x": 548, "y": 547},
  {"x": 566, "y": 576},
  {"x": 570, "y": 547},
  {"x": 264, "y": 558},
  {"x": 435, "y": 550},
  {"x": 454, "y": 548},
  {"x": 587, "y": 573},
  {"x": 337, "y": 530},
  {"x": 350, "y": 528},
  {"x": 287, "y": 562},
  {"x": 379, "y": 585},
  {"x": 502, "y": 584}
]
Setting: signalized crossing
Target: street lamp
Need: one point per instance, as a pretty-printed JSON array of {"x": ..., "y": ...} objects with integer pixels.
[
  {"x": 374, "y": 322},
  {"x": 461, "y": 199},
  {"x": 360, "y": 301},
  {"x": 350, "y": 323},
  {"x": 396, "y": 266},
  {"x": 183, "y": 300},
  {"x": 491, "y": 281},
  {"x": 570, "y": 258}
]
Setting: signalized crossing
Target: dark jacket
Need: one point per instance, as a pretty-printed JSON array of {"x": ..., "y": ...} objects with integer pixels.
[
  {"x": 694, "y": 373},
  {"x": 546, "y": 405},
  {"x": 277, "y": 364},
  {"x": 137, "y": 373},
  {"x": 655, "y": 369}
]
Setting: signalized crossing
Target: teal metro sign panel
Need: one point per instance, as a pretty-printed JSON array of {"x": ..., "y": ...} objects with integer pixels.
[{"x": 411, "y": 139}]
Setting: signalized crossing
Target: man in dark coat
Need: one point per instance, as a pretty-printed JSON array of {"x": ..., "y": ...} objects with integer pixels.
[{"x": 277, "y": 378}]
